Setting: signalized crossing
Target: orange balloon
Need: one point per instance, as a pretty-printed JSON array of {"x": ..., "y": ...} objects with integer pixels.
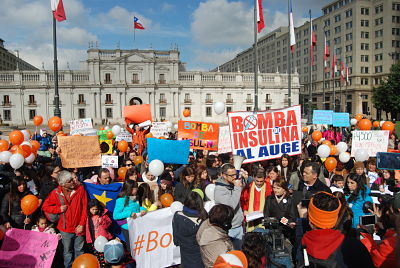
[
  {"x": 162, "y": 138},
  {"x": 138, "y": 159},
  {"x": 86, "y": 261},
  {"x": 4, "y": 145},
  {"x": 55, "y": 123},
  {"x": 358, "y": 117},
  {"x": 110, "y": 135},
  {"x": 316, "y": 135},
  {"x": 102, "y": 128},
  {"x": 166, "y": 200},
  {"x": 333, "y": 149},
  {"x": 29, "y": 204},
  {"x": 26, "y": 150},
  {"x": 149, "y": 135},
  {"x": 122, "y": 172},
  {"x": 123, "y": 146},
  {"x": 14, "y": 148},
  {"x": 37, "y": 120},
  {"x": 186, "y": 113},
  {"x": 330, "y": 163},
  {"x": 376, "y": 124},
  {"x": 327, "y": 142},
  {"x": 388, "y": 126},
  {"x": 16, "y": 137},
  {"x": 35, "y": 145},
  {"x": 305, "y": 129},
  {"x": 365, "y": 124}
]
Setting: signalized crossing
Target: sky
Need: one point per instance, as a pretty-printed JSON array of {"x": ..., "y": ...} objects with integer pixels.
[{"x": 206, "y": 32}]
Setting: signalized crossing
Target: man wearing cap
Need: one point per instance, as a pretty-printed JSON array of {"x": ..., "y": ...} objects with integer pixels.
[{"x": 324, "y": 246}]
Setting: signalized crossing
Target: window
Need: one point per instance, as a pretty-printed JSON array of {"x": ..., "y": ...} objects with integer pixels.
[
  {"x": 396, "y": 6},
  {"x": 337, "y": 29},
  {"x": 107, "y": 79},
  {"x": 161, "y": 79},
  {"x": 396, "y": 19},
  {"x": 163, "y": 112},
  {"x": 379, "y": 33},
  {"x": 364, "y": 11},
  {"x": 327, "y": 22},
  {"x": 378, "y": 81},
  {"x": 364, "y": 81},
  {"x": 364, "y": 46},
  {"x": 337, "y": 18},
  {"x": 305, "y": 32},
  {"x": 378, "y": 21},
  {"x": 305, "y": 51},
  {"x": 349, "y": 13},
  {"x": 364, "y": 23},
  {"x": 81, "y": 113},
  {"x": 162, "y": 98},
  {"x": 379, "y": 57},
  {"x": 7, "y": 115},
  {"x": 108, "y": 99},
  {"x": 349, "y": 59},
  {"x": 6, "y": 99},
  {"x": 364, "y": 70},
  {"x": 337, "y": 40},
  {"x": 364, "y": 35},
  {"x": 378, "y": 9},
  {"x": 109, "y": 112},
  {"x": 378, "y": 69},
  {"x": 228, "y": 109},
  {"x": 364, "y": 58},
  {"x": 338, "y": 50},
  {"x": 32, "y": 114},
  {"x": 135, "y": 79},
  {"x": 349, "y": 36},
  {"x": 349, "y": 25},
  {"x": 208, "y": 111},
  {"x": 208, "y": 97},
  {"x": 328, "y": 33},
  {"x": 32, "y": 100},
  {"x": 395, "y": 31},
  {"x": 305, "y": 41},
  {"x": 379, "y": 45},
  {"x": 187, "y": 97},
  {"x": 248, "y": 108},
  {"x": 396, "y": 43}
]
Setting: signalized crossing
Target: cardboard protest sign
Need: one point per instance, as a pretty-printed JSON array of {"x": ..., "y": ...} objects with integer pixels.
[
  {"x": 159, "y": 129},
  {"x": 79, "y": 151},
  {"x": 372, "y": 141},
  {"x": 109, "y": 161},
  {"x": 341, "y": 119},
  {"x": 23, "y": 248},
  {"x": 80, "y": 126},
  {"x": 266, "y": 135},
  {"x": 322, "y": 117},
  {"x": 137, "y": 113},
  {"x": 203, "y": 136},
  {"x": 124, "y": 135},
  {"x": 224, "y": 140},
  {"x": 168, "y": 151}
]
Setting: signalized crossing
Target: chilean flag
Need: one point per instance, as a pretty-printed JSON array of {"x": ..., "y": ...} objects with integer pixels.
[
  {"x": 326, "y": 53},
  {"x": 137, "y": 24},
  {"x": 58, "y": 10},
  {"x": 313, "y": 43},
  {"x": 334, "y": 63},
  {"x": 342, "y": 70},
  {"x": 291, "y": 29},
  {"x": 260, "y": 16}
]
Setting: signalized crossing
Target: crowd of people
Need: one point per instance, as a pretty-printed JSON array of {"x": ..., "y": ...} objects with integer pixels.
[{"x": 312, "y": 213}]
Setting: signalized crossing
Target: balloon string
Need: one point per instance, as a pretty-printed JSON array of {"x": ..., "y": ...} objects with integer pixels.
[{"x": 26, "y": 217}]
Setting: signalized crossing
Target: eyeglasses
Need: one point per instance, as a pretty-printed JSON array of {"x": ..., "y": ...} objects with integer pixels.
[
  {"x": 230, "y": 175},
  {"x": 129, "y": 165}
]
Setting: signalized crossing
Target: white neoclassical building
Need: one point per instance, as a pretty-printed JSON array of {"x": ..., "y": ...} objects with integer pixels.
[{"x": 111, "y": 79}]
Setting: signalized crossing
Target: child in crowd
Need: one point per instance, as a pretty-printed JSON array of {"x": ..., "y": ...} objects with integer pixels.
[
  {"x": 146, "y": 197},
  {"x": 359, "y": 169},
  {"x": 337, "y": 183},
  {"x": 372, "y": 172},
  {"x": 42, "y": 225}
]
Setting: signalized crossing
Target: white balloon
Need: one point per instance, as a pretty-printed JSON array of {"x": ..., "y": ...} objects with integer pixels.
[
  {"x": 99, "y": 243},
  {"x": 341, "y": 147},
  {"x": 176, "y": 206},
  {"x": 106, "y": 128},
  {"x": 210, "y": 191},
  {"x": 361, "y": 155},
  {"x": 176, "y": 126},
  {"x": 5, "y": 156},
  {"x": 344, "y": 157},
  {"x": 169, "y": 124},
  {"x": 156, "y": 167},
  {"x": 219, "y": 107},
  {"x": 30, "y": 159},
  {"x": 353, "y": 121},
  {"x": 16, "y": 161},
  {"x": 26, "y": 143},
  {"x": 169, "y": 129},
  {"x": 27, "y": 136},
  {"x": 323, "y": 151},
  {"x": 116, "y": 130},
  {"x": 381, "y": 123}
]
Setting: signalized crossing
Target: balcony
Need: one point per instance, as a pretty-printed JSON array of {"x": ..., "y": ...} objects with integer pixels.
[
  {"x": 229, "y": 100},
  {"x": 209, "y": 101},
  {"x": 162, "y": 82},
  {"x": 6, "y": 104},
  {"x": 32, "y": 103},
  {"x": 135, "y": 81},
  {"x": 268, "y": 100},
  {"x": 108, "y": 102},
  {"x": 249, "y": 101},
  {"x": 107, "y": 81},
  {"x": 162, "y": 101},
  {"x": 187, "y": 101},
  {"x": 81, "y": 102}
]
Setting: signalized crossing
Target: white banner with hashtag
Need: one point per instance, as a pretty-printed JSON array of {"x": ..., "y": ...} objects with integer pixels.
[{"x": 151, "y": 240}]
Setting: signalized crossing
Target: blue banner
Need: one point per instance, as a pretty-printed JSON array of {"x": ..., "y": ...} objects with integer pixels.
[
  {"x": 341, "y": 119},
  {"x": 168, "y": 151},
  {"x": 322, "y": 117}
]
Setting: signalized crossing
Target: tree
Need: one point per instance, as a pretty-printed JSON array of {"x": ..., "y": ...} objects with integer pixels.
[{"x": 386, "y": 97}]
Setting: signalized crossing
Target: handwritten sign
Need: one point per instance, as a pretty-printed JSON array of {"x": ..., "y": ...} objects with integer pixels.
[
  {"x": 341, "y": 119},
  {"x": 322, "y": 117},
  {"x": 224, "y": 140},
  {"x": 79, "y": 151},
  {"x": 124, "y": 135},
  {"x": 203, "y": 136},
  {"x": 373, "y": 141},
  {"x": 109, "y": 161},
  {"x": 159, "y": 129},
  {"x": 23, "y": 248},
  {"x": 80, "y": 126}
]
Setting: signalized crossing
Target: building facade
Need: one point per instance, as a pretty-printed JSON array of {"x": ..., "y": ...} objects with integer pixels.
[
  {"x": 365, "y": 34},
  {"x": 112, "y": 79},
  {"x": 10, "y": 61}
]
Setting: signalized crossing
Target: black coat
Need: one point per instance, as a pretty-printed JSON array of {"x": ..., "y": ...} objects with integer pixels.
[
  {"x": 185, "y": 227},
  {"x": 278, "y": 210},
  {"x": 47, "y": 185},
  {"x": 181, "y": 192},
  {"x": 11, "y": 211}
]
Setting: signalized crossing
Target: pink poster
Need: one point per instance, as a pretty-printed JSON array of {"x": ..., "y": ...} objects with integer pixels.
[{"x": 23, "y": 248}]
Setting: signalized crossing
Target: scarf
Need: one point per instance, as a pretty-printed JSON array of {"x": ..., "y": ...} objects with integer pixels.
[{"x": 262, "y": 197}]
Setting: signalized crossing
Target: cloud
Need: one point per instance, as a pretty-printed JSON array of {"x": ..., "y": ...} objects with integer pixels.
[
  {"x": 214, "y": 57},
  {"x": 167, "y": 7},
  {"x": 75, "y": 36}
]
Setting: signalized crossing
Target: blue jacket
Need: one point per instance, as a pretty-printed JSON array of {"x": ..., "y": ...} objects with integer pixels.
[
  {"x": 45, "y": 142},
  {"x": 122, "y": 212},
  {"x": 357, "y": 206}
]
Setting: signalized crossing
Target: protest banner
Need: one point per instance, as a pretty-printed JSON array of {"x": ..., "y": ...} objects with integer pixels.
[
  {"x": 80, "y": 126},
  {"x": 372, "y": 141},
  {"x": 23, "y": 248},
  {"x": 79, "y": 151},
  {"x": 124, "y": 135},
  {"x": 109, "y": 161},
  {"x": 168, "y": 151},
  {"x": 159, "y": 129},
  {"x": 151, "y": 240},
  {"x": 203, "y": 136},
  {"x": 266, "y": 135},
  {"x": 341, "y": 119},
  {"x": 322, "y": 117},
  {"x": 224, "y": 140}
]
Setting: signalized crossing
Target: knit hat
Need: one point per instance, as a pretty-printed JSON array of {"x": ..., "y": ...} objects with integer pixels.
[
  {"x": 232, "y": 259},
  {"x": 321, "y": 218},
  {"x": 359, "y": 165},
  {"x": 113, "y": 252},
  {"x": 165, "y": 177},
  {"x": 200, "y": 192}
]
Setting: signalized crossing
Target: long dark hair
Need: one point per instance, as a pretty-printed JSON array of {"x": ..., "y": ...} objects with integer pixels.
[
  {"x": 14, "y": 193},
  {"x": 289, "y": 166},
  {"x": 144, "y": 192},
  {"x": 126, "y": 190},
  {"x": 254, "y": 248},
  {"x": 194, "y": 201},
  {"x": 131, "y": 172},
  {"x": 188, "y": 171},
  {"x": 95, "y": 203},
  {"x": 360, "y": 190}
]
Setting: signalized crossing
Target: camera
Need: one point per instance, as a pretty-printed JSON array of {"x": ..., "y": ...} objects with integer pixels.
[{"x": 274, "y": 236}]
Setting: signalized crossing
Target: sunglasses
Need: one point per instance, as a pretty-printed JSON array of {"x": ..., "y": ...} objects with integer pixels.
[{"x": 128, "y": 165}]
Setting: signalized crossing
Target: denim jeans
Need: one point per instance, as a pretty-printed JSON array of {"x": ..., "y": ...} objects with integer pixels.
[
  {"x": 236, "y": 235},
  {"x": 73, "y": 247}
]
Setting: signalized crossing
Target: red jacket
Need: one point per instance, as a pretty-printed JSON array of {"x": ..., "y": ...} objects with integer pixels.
[
  {"x": 384, "y": 254},
  {"x": 101, "y": 224},
  {"x": 76, "y": 212},
  {"x": 245, "y": 195}
]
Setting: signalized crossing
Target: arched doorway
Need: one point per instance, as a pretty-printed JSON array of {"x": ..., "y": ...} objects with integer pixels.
[{"x": 135, "y": 101}]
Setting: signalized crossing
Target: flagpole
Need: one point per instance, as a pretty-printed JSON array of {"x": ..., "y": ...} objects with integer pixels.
[
  {"x": 289, "y": 62},
  {"x": 334, "y": 93},
  {"x": 310, "y": 75},
  {"x": 323, "y": 71},
  {"x": 57, "y": 111},
  {"x": 255, "y": 58}
]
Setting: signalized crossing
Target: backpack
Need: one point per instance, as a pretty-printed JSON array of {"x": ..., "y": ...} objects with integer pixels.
[{"x": 54, "y": 218}]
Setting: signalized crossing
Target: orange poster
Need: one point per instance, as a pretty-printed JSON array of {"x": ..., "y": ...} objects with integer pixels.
[
  {"x": 79, "y": 151},
  {"x": 203, "y": 136}
]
